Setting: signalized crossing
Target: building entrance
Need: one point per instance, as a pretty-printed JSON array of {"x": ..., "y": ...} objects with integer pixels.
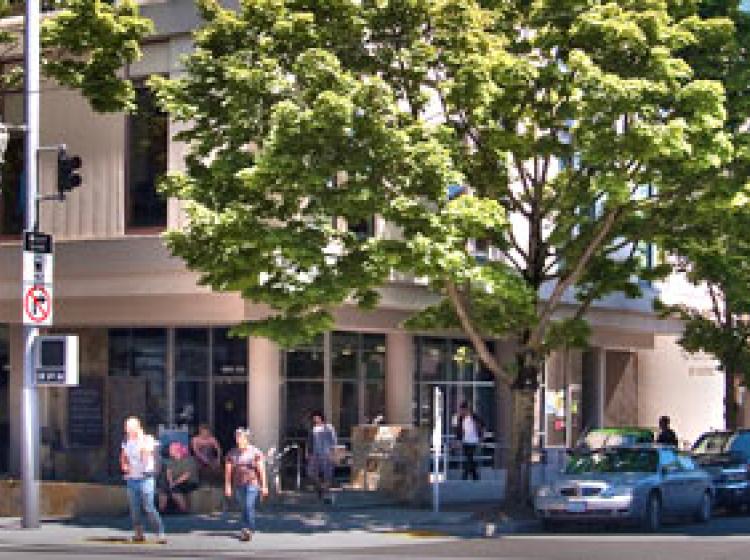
[{"x": 452, "y": 365}]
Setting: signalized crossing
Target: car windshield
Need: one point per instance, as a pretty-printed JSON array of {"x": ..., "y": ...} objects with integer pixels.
[
  {"x": 712, "y": 443},
  {"x": 614, "y": 461}
]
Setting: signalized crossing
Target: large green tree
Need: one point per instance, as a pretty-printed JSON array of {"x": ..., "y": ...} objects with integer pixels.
[
  {"x": 85, "y": 44},
  {"x": 713, "y": 241},
  {"x": 306, "y": 117}
]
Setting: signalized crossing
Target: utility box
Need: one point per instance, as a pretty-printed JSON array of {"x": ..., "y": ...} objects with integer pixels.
[{"x": 56, "y": 361}]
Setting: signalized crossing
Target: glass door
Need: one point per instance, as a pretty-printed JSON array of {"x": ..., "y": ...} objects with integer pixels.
[{"x": 453, "y": 366}]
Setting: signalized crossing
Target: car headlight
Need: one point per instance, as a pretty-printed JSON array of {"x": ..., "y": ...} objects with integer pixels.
[
  {"x": 544, "y": 492},
  {"x": 617, "y": 492}
]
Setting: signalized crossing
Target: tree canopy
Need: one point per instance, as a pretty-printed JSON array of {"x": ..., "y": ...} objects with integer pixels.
[
  {"x": 712, "y": 241},
  {"x": 306, "y": 118},
  {"x": 85, "y": 44}
]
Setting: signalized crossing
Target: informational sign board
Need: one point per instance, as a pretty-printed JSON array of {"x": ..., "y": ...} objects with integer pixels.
[
  {"x": 86, "y": 413},
  {"x": 37, "y": 297}
]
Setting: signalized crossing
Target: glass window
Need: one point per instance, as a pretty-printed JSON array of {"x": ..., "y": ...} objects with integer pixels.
[
  {"x": 614, "y": 461},
  {"x": 147, "y": 162},
  {"x": 142, "y": 353},
  {"x": 433, "y": 364},
  {"x": 191, "y": 353},
  {"x": 302, "y": 399},
  {"x": 191, "y": 403},
  {"x": 191, "y": 370},
  {"x": 229, "y": 354},
  {"x": 12, "y": 203},
  {"x": 345, "y": 406},
  {"x": 345, "y": 348},
  {"x": 714, "y": 442},
  {"x": 305, "y": 362}
]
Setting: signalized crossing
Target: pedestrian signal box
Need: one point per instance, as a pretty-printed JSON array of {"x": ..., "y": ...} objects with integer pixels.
[{"x": 56, "y": 361}]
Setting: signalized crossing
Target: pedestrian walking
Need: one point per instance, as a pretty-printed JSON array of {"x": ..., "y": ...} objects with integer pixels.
[
  {"x": 321, "y": 445},
  {"x": 667, "y": 435},
  {"x": 245, "y": 479},
  {"x": 469, "y": 432},
  {"x": 138, "y": 464}
]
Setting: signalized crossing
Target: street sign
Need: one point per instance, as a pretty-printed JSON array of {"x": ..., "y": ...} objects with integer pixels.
[
  {"x": 37, "y": 268},
  {"x": 37, "y": 242},
  {"x": 37, "y": 306},
  {"x": 38, "y": 278}
]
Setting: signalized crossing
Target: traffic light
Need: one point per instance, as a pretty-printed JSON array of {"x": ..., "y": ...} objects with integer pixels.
[{"x": 68, "y": 177}]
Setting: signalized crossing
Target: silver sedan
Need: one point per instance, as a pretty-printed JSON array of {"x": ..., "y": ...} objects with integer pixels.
[{"x": 639, "y": 484}]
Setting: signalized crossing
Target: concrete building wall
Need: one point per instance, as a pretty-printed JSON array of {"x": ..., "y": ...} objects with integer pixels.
[{"x": 686, "y": 387}]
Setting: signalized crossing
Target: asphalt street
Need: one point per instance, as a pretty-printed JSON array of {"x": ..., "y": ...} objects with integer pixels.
[{"x": 723, "y": 538}]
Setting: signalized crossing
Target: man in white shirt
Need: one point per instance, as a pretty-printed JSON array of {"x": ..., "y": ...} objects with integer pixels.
[{"x": 469, "y": 431}]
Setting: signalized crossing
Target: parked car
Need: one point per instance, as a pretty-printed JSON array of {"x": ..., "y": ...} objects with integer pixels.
[
  {"x": 598, "y": 438},
  {"x": 726, "y": 456},
  {"x": 639, "y": 484}
]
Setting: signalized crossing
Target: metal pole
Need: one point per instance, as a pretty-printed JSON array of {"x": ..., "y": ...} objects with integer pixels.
[
  {"x": 29, "y": 402},
  {"x": 437, "y": 446}
]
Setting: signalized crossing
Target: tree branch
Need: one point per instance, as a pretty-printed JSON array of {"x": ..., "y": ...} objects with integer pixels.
[
  {"x": 489, "y": 359},
  {"x": 569, "y": 280}
]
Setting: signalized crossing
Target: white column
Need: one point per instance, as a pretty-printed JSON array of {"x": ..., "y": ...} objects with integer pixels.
[
  {"x": 263, "y": 399},
  {"x": 399, "y": 378}
]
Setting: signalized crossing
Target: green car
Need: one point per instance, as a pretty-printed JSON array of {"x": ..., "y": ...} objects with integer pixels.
[{"x": 599, "y": 438}]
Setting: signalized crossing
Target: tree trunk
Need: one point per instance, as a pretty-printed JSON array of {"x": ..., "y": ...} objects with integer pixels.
[
  {"x": 519, "y": 454},
  {"x": 730, "y": 399}
]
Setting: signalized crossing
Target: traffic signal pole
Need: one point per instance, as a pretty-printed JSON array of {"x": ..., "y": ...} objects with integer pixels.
[{"x": 29, "y": 399}]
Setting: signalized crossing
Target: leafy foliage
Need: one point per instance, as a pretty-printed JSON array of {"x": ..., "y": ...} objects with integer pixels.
[
  {"x": 713, "y": 238},
  {"x": 85, "y": 44},
  {"x": 306, "y": 117}
]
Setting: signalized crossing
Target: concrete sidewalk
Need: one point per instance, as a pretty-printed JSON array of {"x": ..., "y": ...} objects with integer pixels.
[{"x": 279, "y": 530}]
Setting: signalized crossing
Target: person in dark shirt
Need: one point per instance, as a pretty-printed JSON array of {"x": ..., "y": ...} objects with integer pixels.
[{"x": 666, "y": 436}]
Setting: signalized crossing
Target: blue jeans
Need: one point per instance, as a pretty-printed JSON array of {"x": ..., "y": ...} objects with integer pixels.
[
  {"x": 247, "y": 496},
  {"x": 141, "y": 498}
]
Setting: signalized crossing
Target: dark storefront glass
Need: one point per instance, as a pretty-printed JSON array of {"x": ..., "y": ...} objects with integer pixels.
[
  {"x": 142, "y": 354},
  {"x": 229, "y": 354},
  {"x": 192, "y": 375},
  {"x": 302, "y": 399}
]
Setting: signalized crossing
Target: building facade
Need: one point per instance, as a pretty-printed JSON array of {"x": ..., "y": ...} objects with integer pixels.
[{"x": 156, "y": 344}]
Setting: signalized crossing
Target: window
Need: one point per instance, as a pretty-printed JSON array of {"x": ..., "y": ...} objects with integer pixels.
[
  {"x": 191, "y": 372},
  {"x": 12, "y": 203},
  {"x": 146, "y": 163},
  {"x": 142, "y": 354}
]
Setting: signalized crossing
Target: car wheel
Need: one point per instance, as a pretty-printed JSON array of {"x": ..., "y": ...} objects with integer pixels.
[
  {"x": 652, "y": 513},
  {"x": 703, "y": 515}
]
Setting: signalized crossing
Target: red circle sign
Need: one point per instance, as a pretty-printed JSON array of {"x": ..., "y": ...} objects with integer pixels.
[{"x": 37, "y": 304}]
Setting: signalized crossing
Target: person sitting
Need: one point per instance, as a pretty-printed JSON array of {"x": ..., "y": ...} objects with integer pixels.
[
  {"x": 207, "y": 452},
  {"x": 180, "y": 478}
]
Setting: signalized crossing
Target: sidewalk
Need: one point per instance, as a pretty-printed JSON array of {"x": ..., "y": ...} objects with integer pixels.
[{"x": 279, "y": 530}]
